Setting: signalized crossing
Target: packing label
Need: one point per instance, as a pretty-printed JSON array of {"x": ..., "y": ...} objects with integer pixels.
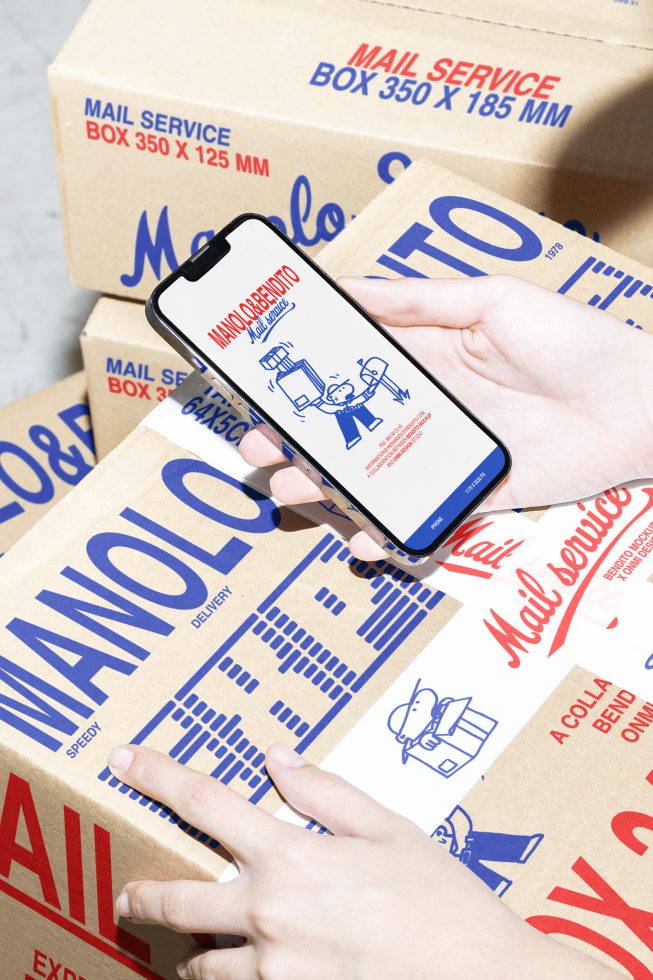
[{"x": 433, "y": 734}]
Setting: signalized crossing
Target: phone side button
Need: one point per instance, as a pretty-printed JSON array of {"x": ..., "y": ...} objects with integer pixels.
[
  {"x": 216, "y": 383},
  {"x": 199, "y": 366},
  {"x": 213, "y": 379}
]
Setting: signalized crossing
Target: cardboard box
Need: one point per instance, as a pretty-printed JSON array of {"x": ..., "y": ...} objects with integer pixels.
[
  {"x": 536, "y": 818},
  {"x": 46, "y": 447},
  {"x": 488, "y": 561},
  {"x": 166, "y": 602},
  {"x": 167, "y": 125},
  {"x": 617, "y": 21},
  {"x": 129, "y": 369},
  {"x": 434, "y": 223},
  {"x": 163, "y": 602},
  {"x": 560, "y": 825}
]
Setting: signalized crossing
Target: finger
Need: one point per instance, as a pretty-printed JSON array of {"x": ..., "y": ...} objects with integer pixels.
[
  {"x": 220, "y": 964},
  {"x": 186, "y": 906},
  {"x": 413, "y": 302},
  {"x": 330, "y": 800},
  {"x": 291, "y": 486},
  {"x": 199, "y": 799},
  {"x": 362, "y": 546},
  {"x": 261, "y": 447}
]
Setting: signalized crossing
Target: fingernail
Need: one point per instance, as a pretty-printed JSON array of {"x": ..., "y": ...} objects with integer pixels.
[
  {"x": 122, "y": 905},
  {"x": 121, "y": 758},
  {"x": 286, "y": 756},
  {"x": 182, "y": 971}
]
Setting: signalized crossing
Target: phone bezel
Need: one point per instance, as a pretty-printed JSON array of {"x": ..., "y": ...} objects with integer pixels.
[{"x": 159, "y": 320}]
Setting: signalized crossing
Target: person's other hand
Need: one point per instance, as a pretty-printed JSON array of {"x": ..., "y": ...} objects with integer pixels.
[
  {"x": 562, "y": 384},
  {"x": 377, "y": 901}
]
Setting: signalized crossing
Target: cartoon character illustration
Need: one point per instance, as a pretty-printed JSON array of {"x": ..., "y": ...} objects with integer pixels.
[
  {"x": 473, "y": 847},
  {"x": 444, "y": 734},
  {"x": 349, "y": 410},
  {"x": 304, "y": 388}
]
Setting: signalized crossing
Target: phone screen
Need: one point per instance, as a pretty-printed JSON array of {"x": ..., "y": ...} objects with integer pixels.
[{"x": 331, "y": 382}]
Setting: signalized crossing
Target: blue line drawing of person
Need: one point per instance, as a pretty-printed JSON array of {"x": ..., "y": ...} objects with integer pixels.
[
  {"x": 473, "y": 847},
  {"x": 304, "y": 388},
  {"x": 444, "y": 734},
  {"x": 349, "y": 409}
]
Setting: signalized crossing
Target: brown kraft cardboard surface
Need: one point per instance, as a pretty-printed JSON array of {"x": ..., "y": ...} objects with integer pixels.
[
  {"x": 429, "y": 222},
  {"x": 165, "y": 602},
  {"x": 168, "y": 125},
  {"x": 560, "y": 825},
  {"x": 46, "y": 447},
  {"x": 129, "y": 369},
  {"x": 626, "y": 22}
]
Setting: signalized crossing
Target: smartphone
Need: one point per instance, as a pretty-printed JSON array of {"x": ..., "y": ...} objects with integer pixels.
[{"x": 285, "y": 345}]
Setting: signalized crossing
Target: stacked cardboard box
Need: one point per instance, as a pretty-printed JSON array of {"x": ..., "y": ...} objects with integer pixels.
[
  {"x": 46, "y": 447},
  {"x": 164, "y": 549},
  {"x": 168, "y": 600},
  {"x": 430, "y": 222},
  {"x": 168, "y": 124},
  {"x": 129, "y": 369}
]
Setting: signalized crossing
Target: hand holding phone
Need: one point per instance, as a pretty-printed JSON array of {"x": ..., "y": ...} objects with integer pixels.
[
  {"x": 287, "y": 346},
  {"x": 568, "y": 388}
]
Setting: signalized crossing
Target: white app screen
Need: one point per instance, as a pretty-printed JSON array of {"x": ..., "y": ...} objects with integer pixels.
[{"x": 341, "y": 391}]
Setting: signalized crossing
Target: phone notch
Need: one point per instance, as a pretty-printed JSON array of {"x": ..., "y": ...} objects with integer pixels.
[{"x": 206, "y": 258}]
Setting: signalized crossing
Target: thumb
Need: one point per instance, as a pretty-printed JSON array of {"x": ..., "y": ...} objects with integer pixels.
[
  {"x": 332, "y": 801},
  {"x": 416, "y": 302}
]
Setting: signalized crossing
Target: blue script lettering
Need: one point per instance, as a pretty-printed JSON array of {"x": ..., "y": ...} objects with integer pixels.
[
  {"x": 329, "y": 221},
  {"x": 264, "y": 324}
]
